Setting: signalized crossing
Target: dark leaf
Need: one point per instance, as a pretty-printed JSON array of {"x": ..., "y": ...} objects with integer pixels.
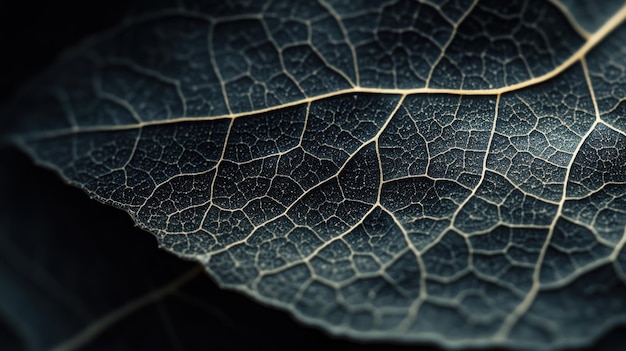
[{"x": 440, "y": 171}]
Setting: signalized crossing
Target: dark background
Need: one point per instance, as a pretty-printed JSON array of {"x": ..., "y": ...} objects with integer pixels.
[{"x": 31, "y": 36}]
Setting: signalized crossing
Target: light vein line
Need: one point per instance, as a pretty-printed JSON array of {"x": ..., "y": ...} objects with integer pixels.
[
  {"x": 342, "y": 27},
  {"x": 570, "y": 18},
  {"x": 521, "y": 309},
  {"x": 216, "y": 68},
  {"x": 453, "y": 34},
  {"x": 102, "y": 324},
  {"x": 591, "y": 42}
]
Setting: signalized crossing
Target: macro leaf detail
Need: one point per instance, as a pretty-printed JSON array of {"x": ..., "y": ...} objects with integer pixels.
[{"x": 444, "y": 171}]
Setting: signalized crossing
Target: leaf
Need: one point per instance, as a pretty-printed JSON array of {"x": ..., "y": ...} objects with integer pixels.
[
  {"x": 69, "y": 286},
  {"x": 55, "y": 279},
  {"x": 441, "y": 171}
]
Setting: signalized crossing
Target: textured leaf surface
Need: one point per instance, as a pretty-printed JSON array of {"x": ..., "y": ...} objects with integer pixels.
[
  {"x": 69, "y": 286},
  {"x": 56, "y": 281},
  {"x": 446, "y": 171}
]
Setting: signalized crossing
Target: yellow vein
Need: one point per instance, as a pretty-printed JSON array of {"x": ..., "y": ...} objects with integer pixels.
[
  {"x": 570, "y": 18},
  {"x": 592, "y": 41},
  {"x": 527, "y": 302}
]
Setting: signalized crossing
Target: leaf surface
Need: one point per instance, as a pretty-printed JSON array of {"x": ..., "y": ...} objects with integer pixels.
[{"x": 439, "y": 171}]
